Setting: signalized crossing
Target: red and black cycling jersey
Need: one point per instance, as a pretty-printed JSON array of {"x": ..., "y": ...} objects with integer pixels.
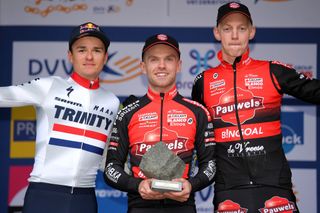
[
  {"x": 182, "y": 124},
  {"x": 244, "y": 100}
]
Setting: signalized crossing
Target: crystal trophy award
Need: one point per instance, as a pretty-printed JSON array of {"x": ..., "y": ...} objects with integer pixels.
[{"x": 163, "y": 165}]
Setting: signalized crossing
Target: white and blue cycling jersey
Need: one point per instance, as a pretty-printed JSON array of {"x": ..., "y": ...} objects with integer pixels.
[{"x": 74, "y": 120}]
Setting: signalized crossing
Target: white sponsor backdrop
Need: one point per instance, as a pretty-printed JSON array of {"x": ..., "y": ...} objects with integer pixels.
[
  {"x": 305, "y": 189},
  {"x": 191, "y": 13},
  {"x": 125, "y": 58}
]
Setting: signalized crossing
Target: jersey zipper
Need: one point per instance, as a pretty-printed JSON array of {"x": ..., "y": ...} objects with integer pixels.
[
  {"x": 162, "y": 202},
  {"x": 161, "y": 112},
  {"x": 234, "y": 66}
]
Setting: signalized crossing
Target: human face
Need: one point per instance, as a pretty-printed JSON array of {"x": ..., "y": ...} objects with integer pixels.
[
  {"x": 234, "y": 32},
  {"x": 88, "y": 56},
  {"x": 161, "y": 64}
]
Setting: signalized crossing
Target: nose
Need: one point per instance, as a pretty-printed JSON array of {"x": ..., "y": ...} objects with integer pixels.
[
  {"x": 161, "y": 63},
  {"x": 235, "y": 34},
  {"x": 89, "y": 55}
]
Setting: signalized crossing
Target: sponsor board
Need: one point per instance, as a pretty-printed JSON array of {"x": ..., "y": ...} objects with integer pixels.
[
  {"x": 305, "y": 189},
  {"x": 193, "y": 13},
  {"x": 122, "y": 73},
  {"x": 108, "y": 197},
  {"x": 18, "y": 183},
  {"x": 204, "y": 200},
  {"x": 290, "y": 54},
  {"x": 299, "y": 132},
  {"x": 22, "y": 132}
]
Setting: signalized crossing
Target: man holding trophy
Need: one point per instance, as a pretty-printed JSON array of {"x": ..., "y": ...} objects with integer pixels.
[{"x": 163, "y": 134}]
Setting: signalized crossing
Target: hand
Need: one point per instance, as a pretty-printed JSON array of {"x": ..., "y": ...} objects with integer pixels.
[
  {"x": 147, "y": 193},
  {"x": 184, "y": 194}
]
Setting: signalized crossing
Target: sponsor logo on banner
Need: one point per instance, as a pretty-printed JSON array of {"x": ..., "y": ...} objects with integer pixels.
[
  {"x": 275, "y": 1},
  {"x": 18, "y": 183},
  {"x": 306, "y": 70},
  {"x": 45, "y": 8},
  {"x": 204, "y": 200},
  {"x": 124, "y": 68},
  {"x": 120, "y": 68},
  {"x": 23, "y": 132},
  {"x": 108, "y": 197},
  {"x": 292, "y": 130},
  {"x": 220, "y": 2},
  {"x": 199, "y": 61},
  {"x": 37, "y": 66}
]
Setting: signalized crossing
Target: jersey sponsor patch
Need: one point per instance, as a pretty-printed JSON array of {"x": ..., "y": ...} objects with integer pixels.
[
  {"x": 228, "y": 206},
  {"x": 278, "y": 204},
  {"x": 247, "y": 106},
  {"x": 253, "y": 83}
]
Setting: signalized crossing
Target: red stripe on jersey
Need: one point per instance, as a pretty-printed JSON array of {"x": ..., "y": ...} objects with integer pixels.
[{"x": 78, "y": 131}]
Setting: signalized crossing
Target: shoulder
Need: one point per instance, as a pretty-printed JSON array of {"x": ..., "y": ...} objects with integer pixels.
[
  {"x": 128, "y": 110},
  {"x": 108, "y": 94},
  {"x": 43, "y": 81},
  {"x": 196, "y": 106},
  {"x": 280, "y": 65}
]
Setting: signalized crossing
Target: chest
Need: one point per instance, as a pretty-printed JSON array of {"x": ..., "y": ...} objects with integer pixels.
[{"x": 172, "y": 123}]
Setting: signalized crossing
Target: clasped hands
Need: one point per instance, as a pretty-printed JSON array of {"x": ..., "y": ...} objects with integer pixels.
[{"x": 148, "y": 194}]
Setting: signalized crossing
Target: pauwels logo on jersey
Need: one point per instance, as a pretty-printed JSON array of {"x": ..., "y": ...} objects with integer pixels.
[
  {"x": 228, "y": 206},
  {"x": 172, "y": 140},
  {"x": 247, "y": 106},
  {"x": 278, "y": 204}
]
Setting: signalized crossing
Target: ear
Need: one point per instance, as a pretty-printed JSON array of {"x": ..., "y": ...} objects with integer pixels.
[
  {"x": 216, "y": 34},
  {"x": 106, "y": 58},
  {"x": 252, "y": 32},
  {"x": 179, "y": 66},
  {"x": 70, "y": 56},
  {"x": 143, "y": 67}
]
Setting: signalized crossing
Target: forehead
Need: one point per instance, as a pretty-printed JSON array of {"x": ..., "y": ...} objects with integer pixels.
[
  {"x": 161, "y": 49},
  {"x": 88, "y": 40},
  {"x": 235, "y": 17}
]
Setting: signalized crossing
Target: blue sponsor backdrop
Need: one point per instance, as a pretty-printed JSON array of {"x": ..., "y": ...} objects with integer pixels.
[
  {"x": 25, "y": 130},
  {"x": 293, "y": 134},
  {"x": 292, "y": 130}
]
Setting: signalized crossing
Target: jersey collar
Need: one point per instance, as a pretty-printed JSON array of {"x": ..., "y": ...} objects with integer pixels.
[
  {"x": 85, "y": 82},
  {"x": 167, "y": 96},
  {"x": 245, "y": 60}
]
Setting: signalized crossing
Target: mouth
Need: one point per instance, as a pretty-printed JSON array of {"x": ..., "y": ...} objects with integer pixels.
[
  {"x": 161, "y": 74},
  {"x": 235, "y": 45},
  {"x": 89, "y": 65}
]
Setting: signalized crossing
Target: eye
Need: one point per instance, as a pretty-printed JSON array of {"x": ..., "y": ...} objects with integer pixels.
[
  {"x": 243, "y": 28},
  {"x": 98, "y": 50},
  {"x": 226, "y": 29},
  {"x": 153, "y": 59},
  {"x": 170, "y": 59}
]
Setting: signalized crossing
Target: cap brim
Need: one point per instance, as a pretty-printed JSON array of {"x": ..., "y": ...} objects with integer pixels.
[
  {"x": 98, "y": 35},
  {"x": 243, "y": 13},
  {"x": 161, "y": 42}
]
